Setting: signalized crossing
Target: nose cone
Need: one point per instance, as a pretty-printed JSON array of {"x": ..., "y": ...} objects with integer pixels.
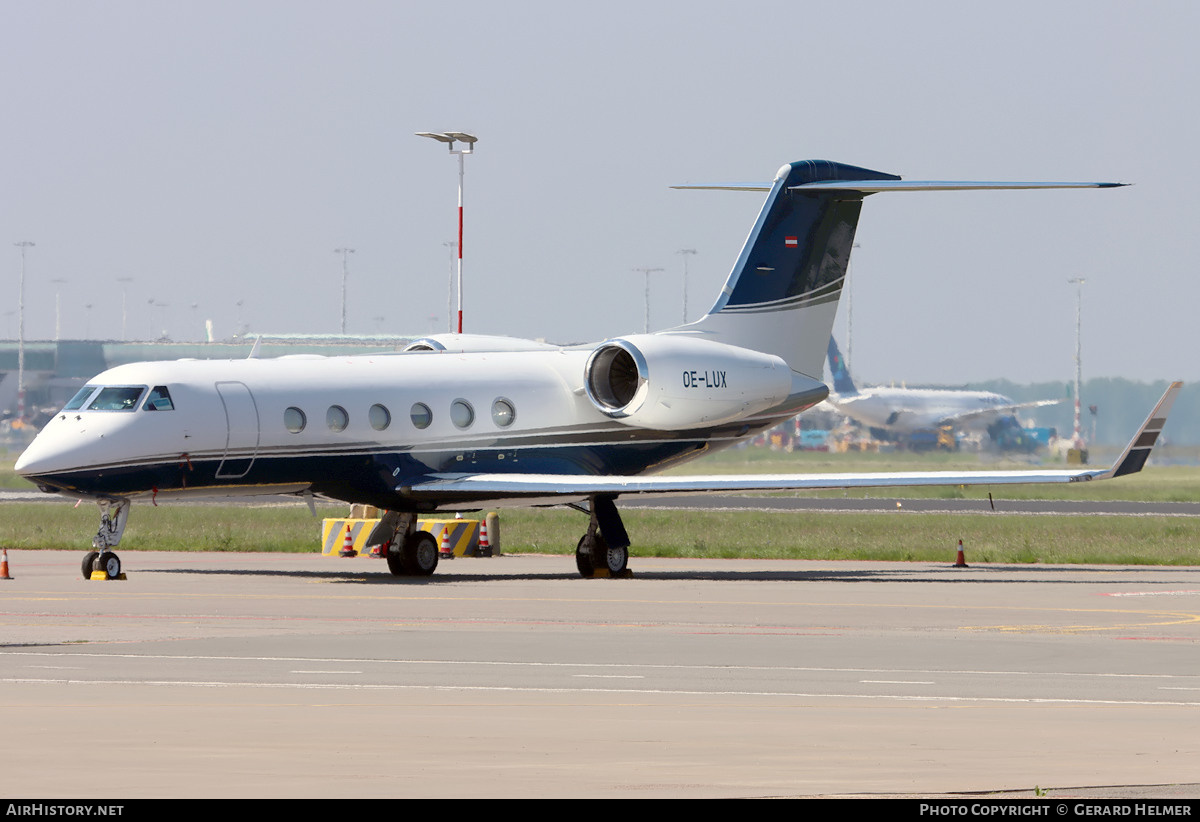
[{"x": 43, "y": 456}]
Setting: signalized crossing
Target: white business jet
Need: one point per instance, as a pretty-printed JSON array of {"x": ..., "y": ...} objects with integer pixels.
[{"x": 458, "y": 422}]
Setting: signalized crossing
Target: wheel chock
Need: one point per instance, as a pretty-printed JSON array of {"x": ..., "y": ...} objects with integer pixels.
[
  {"x": 604, "y": 573},
  {"x": 102, "y": 576}
]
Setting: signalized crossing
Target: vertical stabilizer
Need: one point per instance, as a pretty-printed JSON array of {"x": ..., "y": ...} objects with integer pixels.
[
  {"x": 781, "y": 297},
  {"x": 842, "y": 383}
]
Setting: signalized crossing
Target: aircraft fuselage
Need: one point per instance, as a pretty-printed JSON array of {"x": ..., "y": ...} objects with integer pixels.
[{"x": 357, "y": 428}]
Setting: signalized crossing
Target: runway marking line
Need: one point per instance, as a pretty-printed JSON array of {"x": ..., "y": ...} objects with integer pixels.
[
  {"x": 604, "y": 666},
  {"x": 607, "y": 691}
]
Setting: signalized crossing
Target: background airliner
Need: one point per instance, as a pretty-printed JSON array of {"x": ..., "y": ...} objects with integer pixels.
[
  {"x": 898, "y": 412},
  {"x": 458, "y": 421}
]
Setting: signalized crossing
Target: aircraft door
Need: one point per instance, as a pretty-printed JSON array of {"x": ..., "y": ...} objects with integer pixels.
[{"x": 241, "y": 425}]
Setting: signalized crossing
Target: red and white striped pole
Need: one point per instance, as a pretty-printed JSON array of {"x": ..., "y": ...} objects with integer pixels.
[
  {"x": 460, "y": 236},
  {"x": 468, "y": 141}
]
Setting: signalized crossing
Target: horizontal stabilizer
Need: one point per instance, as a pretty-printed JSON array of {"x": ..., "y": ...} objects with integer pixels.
[
  {"x": 876, "y": 186},
  {"x": 726, "y": 187}
]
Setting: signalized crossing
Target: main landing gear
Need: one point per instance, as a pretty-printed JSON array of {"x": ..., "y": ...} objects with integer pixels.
[
  {"x": 113, "y": 516},
  {"x": 604, "y": 549},
  {"x": 409, "y": 552}
]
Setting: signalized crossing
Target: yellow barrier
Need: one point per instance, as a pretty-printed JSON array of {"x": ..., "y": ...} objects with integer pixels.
[{"x": 463, "y": 534}]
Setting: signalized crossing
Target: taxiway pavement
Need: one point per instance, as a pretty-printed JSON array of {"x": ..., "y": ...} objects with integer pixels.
[{"x": 273, "y": 675}]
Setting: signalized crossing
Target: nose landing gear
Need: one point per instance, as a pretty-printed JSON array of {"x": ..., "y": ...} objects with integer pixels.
[
  {"x": 107, "y": 563},
  {"x": 113, "y": 516}
]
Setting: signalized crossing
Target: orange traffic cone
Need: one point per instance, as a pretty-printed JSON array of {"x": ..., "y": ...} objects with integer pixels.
[
  {"x": 485, "y": 550},
  {"x": 4, "y": 564},
  {"x": 348, "y": 544},
  {"x": 961, "y": 561},
  {"x": 446, "y": 549}
]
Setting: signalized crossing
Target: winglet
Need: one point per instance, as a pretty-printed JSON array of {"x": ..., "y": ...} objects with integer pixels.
[{"x": 1135, "y": 454}]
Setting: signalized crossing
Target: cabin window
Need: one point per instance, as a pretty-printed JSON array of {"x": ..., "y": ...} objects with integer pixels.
[
  {"x": 80, "y": 398},
  {"x": 159, "y": 399},
  {"x": 117, "y": 398},
  {"x": 336, "y": 418},
  {"x": 294, "y": 420},
  {"x": 379, "y": 417},
  {"x": 421, "y": 415},
  {"x": 462, "y": 414},
  {"x": 503, "y": 413}
]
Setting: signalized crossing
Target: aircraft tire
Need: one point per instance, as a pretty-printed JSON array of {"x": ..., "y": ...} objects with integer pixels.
[
  {"x": 89, "y": 563},
  {"x": 615, "y": 560},
  {"x": 583, "y": 558},
  {"x": 395, "y": 561},
  {"x": 111, "y": 564},
  {"x": 420, "y": 554}
]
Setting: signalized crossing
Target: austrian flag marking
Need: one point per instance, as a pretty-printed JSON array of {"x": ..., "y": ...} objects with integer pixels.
[{"x": 791, "y": 242}]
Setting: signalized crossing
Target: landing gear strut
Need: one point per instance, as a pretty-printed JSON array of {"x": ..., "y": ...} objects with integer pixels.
[
  {"x": 113, "y": 516},
  {"x": 605, "y": 546},
  {"x": 410, "y": 552}
]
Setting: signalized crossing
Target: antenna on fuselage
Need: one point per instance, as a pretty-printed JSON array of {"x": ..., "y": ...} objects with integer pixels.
[{"x": 254, "y": 349}]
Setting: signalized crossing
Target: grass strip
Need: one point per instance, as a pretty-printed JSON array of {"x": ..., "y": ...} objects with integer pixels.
[{"x": 887, "y": 536}]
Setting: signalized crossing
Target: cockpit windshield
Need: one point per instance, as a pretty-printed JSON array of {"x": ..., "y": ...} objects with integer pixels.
[
  {"x": 117, "y": 398},
  {"x": 81, "y": 397}
]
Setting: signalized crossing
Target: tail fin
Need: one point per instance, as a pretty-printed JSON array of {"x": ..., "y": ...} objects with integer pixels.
[
  {"x": 842, "y": 383},
  {"x": 781, "y": 297}
]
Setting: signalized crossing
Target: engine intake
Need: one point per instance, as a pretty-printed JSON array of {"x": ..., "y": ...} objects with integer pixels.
[{"x": 670, "y": 382}]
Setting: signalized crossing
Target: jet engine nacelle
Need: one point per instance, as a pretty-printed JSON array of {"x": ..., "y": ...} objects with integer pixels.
[{"x": 672, "y": 383}]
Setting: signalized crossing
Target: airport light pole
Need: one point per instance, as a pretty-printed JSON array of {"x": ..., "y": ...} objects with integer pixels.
[
  {"x": 1078, "y": 283},
  {"x": 124, "y": 281},
  {"x": 58, "y": 283},
  {"x": 345, "y": 252},
  {"x": 648, "y": 272},
  {"x": 468, "y": 147},
  {"x": 23, "y": 245},
  {"x": 685, "y": 252}
]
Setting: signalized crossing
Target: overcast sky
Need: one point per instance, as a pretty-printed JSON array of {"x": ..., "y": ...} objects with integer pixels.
[{"x": 218, "y": 152}]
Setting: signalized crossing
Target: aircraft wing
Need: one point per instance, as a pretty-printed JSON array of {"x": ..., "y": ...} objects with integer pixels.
[
  {"x": 459, "y": 487},
  {"x": 967, "y": 416}
]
